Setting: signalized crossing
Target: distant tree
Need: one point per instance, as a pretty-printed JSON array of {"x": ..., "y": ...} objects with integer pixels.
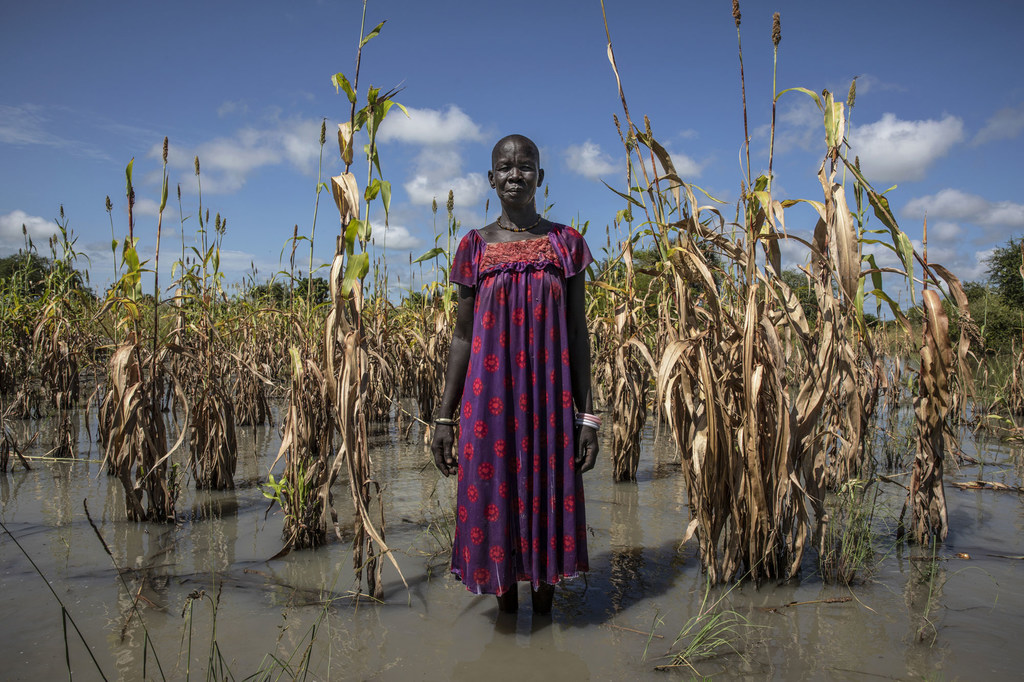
[
  {"x": 1004, "y": 271},
  {"x": 25, "y": 273},
  {"x": 999, "y": 321},
  {"x": 277, "y": 292},
  {"x": 28, "y": 274}
]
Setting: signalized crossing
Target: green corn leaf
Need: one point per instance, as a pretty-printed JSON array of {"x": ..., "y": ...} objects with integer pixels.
[
  {"x": 131, "y": 258},
  {"x": 128, "y": 178},
  {"x": 810, "y": 93},
  {"x": 385, "y": 195},
  {"x": 352, "y": 230},
  {"x": 372, "y": 34},
  {"x": 434, "y": 252},
  {"x": 340, "y": 81},
  {"x": 358, "y": 266},
  {"x": 370, "y": 193},
  {"x": 624, "y": 196}
]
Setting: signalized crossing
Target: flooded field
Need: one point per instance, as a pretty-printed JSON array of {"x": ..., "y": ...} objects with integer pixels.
[{"x": 212, "y": 605}]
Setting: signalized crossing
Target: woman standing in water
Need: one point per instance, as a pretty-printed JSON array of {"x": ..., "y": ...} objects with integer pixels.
[{"x": 518, "y": 386}]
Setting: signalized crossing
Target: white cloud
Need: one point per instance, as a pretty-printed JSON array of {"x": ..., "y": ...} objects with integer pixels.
[
  {"x": 227, "y": 162},
  {"x": 798, "y": 125},
  {"x": 395, "y": 237},
  {"x": 429, "y": 127},
  {"x": 1005, "y": 124},
  {"x": 437, "y": 171},
  {"x": 794, "y": 254},
  {"x": 953, "y": 205},
  {"x": 867, "y": 82},
  {"x": 893, "y": 150},
  {"x": 686, "y": 167},
  {"x": 146, "y": 207},
  {"x": 11, "y": 237},
  {"x": 975, "y": 269},
  {"x": 944, "y": 231},
  {"x": 469, "y": 189},
  {"x": 590, "y": 161}
]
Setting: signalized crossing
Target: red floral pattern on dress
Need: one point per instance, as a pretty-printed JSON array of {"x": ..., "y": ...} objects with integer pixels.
[{"x": 536, "y": 251}]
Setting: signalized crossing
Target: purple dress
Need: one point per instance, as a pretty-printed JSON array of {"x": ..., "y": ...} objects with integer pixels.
[{"x": 520, "y": 501}]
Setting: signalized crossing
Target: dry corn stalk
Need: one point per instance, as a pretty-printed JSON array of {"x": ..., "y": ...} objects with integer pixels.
[
  {"x": 931, "y": 408},
  {"x": 384, "y": 360},
  {"x": 626, "y": 365},
  {"x": 347, "y": 384},
  {"x": 431, "y": 339},
  {"x": 58, "y": 361},
  {"x": 213, "y": 451},
  {"x": 137, "y": 441},
  {"x": 306, "y": 448}
]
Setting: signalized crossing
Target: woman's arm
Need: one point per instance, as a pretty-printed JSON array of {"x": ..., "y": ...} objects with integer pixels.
[
  {"x": 454, "y": 378},
  {"x": 579, "y": 369}
]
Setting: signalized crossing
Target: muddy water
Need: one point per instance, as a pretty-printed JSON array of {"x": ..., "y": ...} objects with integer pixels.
[{"x": 913, "y": 616}]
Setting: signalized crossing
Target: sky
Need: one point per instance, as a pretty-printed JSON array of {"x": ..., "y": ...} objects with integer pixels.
[{"x": 87, "y": 87}]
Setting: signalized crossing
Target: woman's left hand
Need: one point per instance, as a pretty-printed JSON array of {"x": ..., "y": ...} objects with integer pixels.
[{"x": 586, "y": 449}]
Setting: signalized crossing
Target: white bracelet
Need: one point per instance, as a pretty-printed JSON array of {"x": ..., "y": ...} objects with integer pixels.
[{"x": 591, "y": 420}]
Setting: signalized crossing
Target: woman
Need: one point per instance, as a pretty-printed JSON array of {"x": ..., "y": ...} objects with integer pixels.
[{"x": 519, "y": 363}]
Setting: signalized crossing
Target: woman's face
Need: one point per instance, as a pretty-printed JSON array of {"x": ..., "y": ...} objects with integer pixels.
[{"x": 516, "y": 173}]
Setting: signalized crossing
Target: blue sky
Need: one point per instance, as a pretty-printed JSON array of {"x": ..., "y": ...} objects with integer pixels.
[{"x": 89, "y": 86}]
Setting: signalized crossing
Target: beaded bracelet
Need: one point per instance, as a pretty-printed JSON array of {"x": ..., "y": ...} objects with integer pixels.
[{"x": 591, "y": 420}]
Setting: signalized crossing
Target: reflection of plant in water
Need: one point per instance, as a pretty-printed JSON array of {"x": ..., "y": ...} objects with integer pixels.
[{"x": 927, "y": 578}]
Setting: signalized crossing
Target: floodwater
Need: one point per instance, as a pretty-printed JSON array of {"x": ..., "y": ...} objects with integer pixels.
[{"x": 954, "y": 614}]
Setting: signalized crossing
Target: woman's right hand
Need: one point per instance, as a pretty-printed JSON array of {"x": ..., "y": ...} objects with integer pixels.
[{"x": 441, "y": 446}]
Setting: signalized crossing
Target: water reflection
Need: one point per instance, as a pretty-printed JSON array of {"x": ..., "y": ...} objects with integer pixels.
[
  {"x": 539, "y": 654},
  {"x": 626, "y": 540},
  {"x": 640, "y": 582}
]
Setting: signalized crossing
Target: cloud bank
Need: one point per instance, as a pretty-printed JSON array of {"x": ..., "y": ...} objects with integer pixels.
[
  {"x": 893, "y": 150},
  {"x": 11, "y": 237}
]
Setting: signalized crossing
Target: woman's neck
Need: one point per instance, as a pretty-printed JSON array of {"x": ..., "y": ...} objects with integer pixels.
[{"x": 519, "y": 217}]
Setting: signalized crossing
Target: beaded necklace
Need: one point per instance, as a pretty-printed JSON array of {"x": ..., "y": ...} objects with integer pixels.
[{"x": 518, "y": 229}]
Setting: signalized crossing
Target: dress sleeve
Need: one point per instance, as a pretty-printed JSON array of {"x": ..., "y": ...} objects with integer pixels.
[
  {"x": 572, "y": 251},
  {"x": 466, "y": 264}
]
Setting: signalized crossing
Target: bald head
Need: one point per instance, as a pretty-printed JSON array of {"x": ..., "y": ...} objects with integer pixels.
[{"x": 521, "y": 140}]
